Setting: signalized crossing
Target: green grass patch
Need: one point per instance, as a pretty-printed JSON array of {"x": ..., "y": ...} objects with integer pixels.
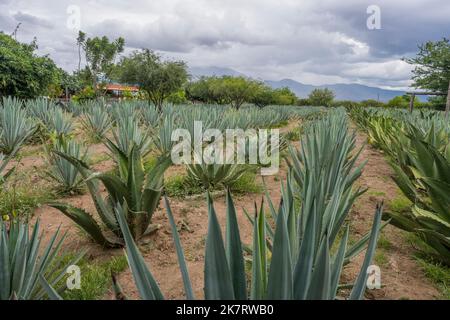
[
  {"x": 438, "y": 274},
  {"x": 280, "y": 124},
  {"x": 400, "y": 204},
  {"x": 381, "y": 258},
  {"x": 384, "y": 243},
  {"x": 182, "y": 185},
  {"x": 247, "y": 184},
  {"x": 23, "y": 200},
  {"x": 376, "y": 193},
  {"x": 31, "y": 152},
  {"x": 294, "y": 134},
  {"x": 95, "y": 278}
]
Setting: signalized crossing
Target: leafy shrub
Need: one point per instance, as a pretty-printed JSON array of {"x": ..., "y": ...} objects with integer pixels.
[{"x": 321, "y": 97}]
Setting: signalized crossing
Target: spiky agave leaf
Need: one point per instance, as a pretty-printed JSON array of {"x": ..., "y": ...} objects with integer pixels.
[
  {"x": 15, "y": 126},
  {"x": 226, "y": 279},
  {"x": 97, "y": 122},
  {"x": 133, "y": 189},
  {"x": 146, "y": 284},
  {"x": 60, "y": 123},
  {"x": 127, "y": 134},
  {"x": 4, "y": 161},
  {"x": 23, "y": 260},
  {"x": 62, "y": 171}
]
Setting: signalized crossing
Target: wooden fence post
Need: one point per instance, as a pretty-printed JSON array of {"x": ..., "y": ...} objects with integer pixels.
[
  {"x": 447, "y": 106},
  {"x": 411, "y": 102}
]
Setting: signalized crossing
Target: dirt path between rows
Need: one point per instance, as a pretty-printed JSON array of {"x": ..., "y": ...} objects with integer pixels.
[{"x": 401, "y": 277}]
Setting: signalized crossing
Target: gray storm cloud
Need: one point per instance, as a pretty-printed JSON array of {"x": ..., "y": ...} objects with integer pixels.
[{"x": 309, "y": 41}]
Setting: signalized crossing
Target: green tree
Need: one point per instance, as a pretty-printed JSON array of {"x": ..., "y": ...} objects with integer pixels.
[
  {"x": 284, "y": 97},
  {"x": 71, "y": 82},
  {"x": 402, "y": 102},
  {"x": 178, "y": 97},
  {"x": 372, "y": 103},
  {"x": 101, "y": 54},
  {"x": 234, "y": 90},
  {"x": 263, "y": 96},
  {"x": 432, "y": 67},
  {"x": 24, "y": 74},
  {"x": 321, "y": 97},
  {"x": 81, "y": 40},
  {"x": 398, "y": 102},
  {"x": 159, "y": 79},
  {"x": 201, "y": 90}
]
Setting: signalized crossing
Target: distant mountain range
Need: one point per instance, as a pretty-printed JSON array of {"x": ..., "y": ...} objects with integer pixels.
[
  {"x": 355, "y": 92},
  {"x": 198, "y": 72}
]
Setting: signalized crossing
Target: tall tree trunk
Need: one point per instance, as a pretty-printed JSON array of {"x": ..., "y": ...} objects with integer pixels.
[
  {"x": 447, "y": 107},
  {"x": 79, "y": 58}
]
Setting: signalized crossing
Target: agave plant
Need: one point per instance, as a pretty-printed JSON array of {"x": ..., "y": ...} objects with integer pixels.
[
  {"x": 418, "y": 146},
  {"x": 324, "y": 171},
  {"x": 97, "y": 122},
  {"x": 127, "y": 135},
  {"x": 76, "y": 108},
  {"x": 319, "y": 186},
  {"x": 424, "y": 177},
  {"x": 211, "y": 176},
  {"x": 41, "y": 109},
  {"x": 311, "y": 275},
  {"x": 137, "y": 193},
  {"x": 162, "y": 135},
  {"x": 150, "y": 115},
  {"x": 15, "y": 126},
  {"x": 60, "y": 123},
  {"x": 62, "y": 171},
  {"x": 300, "y": 264},
  {"x": 23, "y": 259},
  {"x": 3, "y": 164},
  {"x": 125, "y": 110}
]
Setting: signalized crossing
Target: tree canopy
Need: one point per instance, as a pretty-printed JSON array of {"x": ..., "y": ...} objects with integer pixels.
[
  {"x": 321, "y": 97},
  {"x": 432, "y": 66},
  {"x": 23, "y": 73},
  {"x": 263, "y": 96},
  {"x": 432, "y": 69},
  {"x": 159, "y": 79},
  {"x": 101, "y": 54},
  {"x": 284, "y": 96},
  {"x": 236, "y": 91}
]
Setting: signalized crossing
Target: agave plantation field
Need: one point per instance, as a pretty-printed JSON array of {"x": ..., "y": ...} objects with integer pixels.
[{"x": 93, "y": 185}]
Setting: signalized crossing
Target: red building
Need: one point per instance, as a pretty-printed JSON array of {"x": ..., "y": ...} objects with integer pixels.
[{"x": 117, "y": 90}]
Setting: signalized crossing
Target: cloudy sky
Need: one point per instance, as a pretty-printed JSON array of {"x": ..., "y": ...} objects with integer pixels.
[{"x": 312, "y": 41}]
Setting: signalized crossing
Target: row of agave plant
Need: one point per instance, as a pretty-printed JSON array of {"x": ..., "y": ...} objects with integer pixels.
[
  {"x": 418, "y": 146},
  {"x": 126, "y": 123},
  {"x": 309, "y": 222},
  {"x": 297, "y": 253}
]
